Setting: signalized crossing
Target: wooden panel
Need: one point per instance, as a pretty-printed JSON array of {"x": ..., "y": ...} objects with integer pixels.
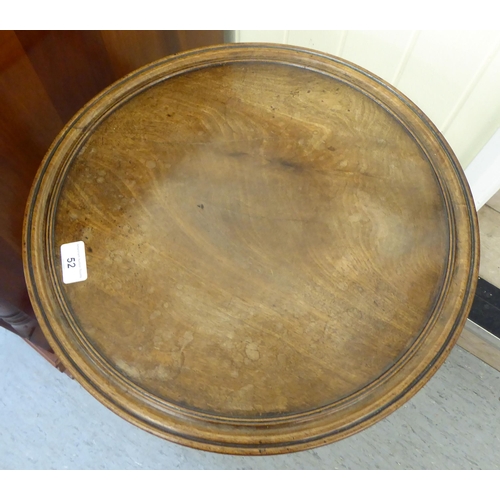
[
  {"x": 28, "y": 118},
  {"x": 128, "y": 50},
  {"x": 28, "y": 124},
  {"x": 80, "y": 70},
  {"x": 189, "y": 39},
  {"x": 12, "y": 284}
]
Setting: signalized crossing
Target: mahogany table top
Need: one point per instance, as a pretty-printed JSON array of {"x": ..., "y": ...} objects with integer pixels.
[{"x": 280, "y": 248}]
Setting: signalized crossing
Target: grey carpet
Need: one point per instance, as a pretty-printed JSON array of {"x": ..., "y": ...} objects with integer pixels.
[{"x": 48, "y": 421}]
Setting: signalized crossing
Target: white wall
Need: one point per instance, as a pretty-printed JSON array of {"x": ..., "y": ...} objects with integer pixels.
[{"x": 453, "y": 76}]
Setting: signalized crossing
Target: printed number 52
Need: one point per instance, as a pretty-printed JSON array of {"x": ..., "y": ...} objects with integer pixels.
[{"x": 71, "y": 262}]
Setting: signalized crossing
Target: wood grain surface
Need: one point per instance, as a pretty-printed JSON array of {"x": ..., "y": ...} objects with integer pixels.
[
  {"x": 281, "y": 248},
  {"x": 45, "y": 77}
]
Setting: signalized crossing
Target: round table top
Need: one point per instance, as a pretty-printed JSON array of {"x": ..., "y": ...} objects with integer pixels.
[{"x": 279, "y": 248}]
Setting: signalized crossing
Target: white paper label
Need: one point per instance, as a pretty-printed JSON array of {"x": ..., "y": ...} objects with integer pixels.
[{"x": 74, "y": 265}]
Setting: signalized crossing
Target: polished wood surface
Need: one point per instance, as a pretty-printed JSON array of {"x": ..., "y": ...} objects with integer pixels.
[
  {"x": 45, "y": 77},
  {"x": 281, "y": 248}
]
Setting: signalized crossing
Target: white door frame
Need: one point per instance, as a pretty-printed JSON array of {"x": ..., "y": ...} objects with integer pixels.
[{"x": 483, "y": 173}]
